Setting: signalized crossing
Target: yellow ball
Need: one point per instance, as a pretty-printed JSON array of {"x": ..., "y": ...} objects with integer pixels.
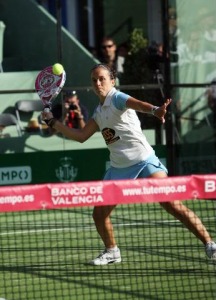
[{"x": 57, "y": 69}]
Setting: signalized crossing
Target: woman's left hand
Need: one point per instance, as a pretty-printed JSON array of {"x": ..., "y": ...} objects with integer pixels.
[{"x": 161, "y": 111}]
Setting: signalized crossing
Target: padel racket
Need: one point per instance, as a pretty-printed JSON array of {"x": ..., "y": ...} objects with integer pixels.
[{"x": 48, "y": 85}]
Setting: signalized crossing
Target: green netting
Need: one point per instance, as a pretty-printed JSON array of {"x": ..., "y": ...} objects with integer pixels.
[{"x": 45, "y": 254}]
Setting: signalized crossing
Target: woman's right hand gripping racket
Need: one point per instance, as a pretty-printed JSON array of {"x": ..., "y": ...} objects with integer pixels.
[{"x": 49, "y": 84}]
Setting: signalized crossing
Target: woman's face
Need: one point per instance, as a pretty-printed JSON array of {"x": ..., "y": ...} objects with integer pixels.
[{"x": 101, "y": 82}]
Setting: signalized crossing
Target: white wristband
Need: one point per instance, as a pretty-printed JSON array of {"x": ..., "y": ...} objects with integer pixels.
[{"x": 154, "y": 108}]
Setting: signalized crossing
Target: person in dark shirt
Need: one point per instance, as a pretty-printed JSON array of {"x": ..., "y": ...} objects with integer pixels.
[
  {"x": 111, "y": 56},
  {"x": 211, "y": 99}
]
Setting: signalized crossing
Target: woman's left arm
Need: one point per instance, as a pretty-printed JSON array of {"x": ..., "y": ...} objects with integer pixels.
[{"x": 145, "y": 107}]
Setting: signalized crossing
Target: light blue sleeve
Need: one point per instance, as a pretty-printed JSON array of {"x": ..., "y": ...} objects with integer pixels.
[{"x": 119, "y": 100}]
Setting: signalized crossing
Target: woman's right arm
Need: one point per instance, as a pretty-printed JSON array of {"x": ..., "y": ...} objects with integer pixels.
[{"x": 79, "y": 135}]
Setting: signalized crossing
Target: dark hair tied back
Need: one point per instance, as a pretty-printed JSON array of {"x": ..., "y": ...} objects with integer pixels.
[{"x": 111, "y": 71}]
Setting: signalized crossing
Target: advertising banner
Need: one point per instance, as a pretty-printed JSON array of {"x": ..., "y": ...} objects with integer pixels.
[{"x": 97, "y": 193}]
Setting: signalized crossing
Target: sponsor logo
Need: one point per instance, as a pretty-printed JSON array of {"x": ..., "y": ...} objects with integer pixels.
[
  {"x": 77, "y": 194},
  {"x": 15, "y": 175},
  {"x": 66, "y": 171},
  {"x": 109, "y": 136},
  {"x": 210, "y": 186}
]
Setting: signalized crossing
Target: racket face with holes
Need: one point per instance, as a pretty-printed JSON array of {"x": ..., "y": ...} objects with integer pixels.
[{"x": 48, "y": 85}]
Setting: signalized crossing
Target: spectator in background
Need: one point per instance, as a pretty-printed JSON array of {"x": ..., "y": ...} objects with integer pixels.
[
  {"x": 156, "y": 59},
  {"x": 111, "y": 57},
  {"x": 75, "y": 115},
  {"x": 211, "y": 98},
  {"x": 122, "y": 50}
]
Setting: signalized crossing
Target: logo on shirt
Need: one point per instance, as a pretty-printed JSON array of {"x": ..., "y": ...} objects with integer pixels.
[{"x": 109, "y": 136}]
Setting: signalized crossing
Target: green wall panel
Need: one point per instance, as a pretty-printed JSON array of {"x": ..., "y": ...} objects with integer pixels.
[
  {"x": 121, "y": 17},
  {"x": 57, "y": 166}
]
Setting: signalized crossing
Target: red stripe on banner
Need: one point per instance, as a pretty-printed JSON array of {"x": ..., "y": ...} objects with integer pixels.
[{"x": 96, "y": 193}]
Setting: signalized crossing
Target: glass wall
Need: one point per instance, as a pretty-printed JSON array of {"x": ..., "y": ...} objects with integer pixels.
[
  {"x": 192, "y": 33},
  {"x": 192, "y": 43}
]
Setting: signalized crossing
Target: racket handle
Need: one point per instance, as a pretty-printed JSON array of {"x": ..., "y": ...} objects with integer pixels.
[{"x": 47, "y": 108}]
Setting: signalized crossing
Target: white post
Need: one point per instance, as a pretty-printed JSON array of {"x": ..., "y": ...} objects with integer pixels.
[
  {"x": 91, "y": 34},
  {"x": 2, "y": 29}
]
